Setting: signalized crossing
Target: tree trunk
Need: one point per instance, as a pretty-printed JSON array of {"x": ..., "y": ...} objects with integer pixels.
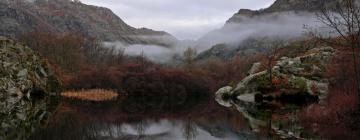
[
  {"x": 356, "y": 69},
  {"x": 270, "y": 73}
]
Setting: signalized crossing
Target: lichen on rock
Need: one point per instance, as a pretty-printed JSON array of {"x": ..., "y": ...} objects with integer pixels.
[
  {"x": 292, "y": 78},
  {"x": 25, "y": 85}
]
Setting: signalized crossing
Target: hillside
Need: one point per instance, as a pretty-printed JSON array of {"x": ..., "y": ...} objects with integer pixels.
[
  {"x": 22, "y": 16},
  {"x": 282, "y": 6},
  {"x": 284, "y": 19}
]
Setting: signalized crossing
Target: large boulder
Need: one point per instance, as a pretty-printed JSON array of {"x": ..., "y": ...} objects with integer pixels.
[
  {"x": 25, "y": 85},
  {"x": 293, "y": 79},
  {"x": 223, "y": 96}
]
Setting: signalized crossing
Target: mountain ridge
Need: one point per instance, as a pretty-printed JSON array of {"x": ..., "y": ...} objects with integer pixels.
[
  {"x": 283, "y": 19},
  {"x": 21, "y": 16},
  {"x": 284, "y": 6}
]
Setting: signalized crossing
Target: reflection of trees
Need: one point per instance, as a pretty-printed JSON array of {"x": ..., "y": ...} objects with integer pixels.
[
  {"x": 141, "y": 127},
  {"x": 92, "y": 131},
  {"x": 190, "y": 130},
  {"x": 118, "y": 129}
]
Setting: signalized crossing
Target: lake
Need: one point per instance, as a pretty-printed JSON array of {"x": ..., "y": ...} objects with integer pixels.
[{"x": 135, "y": 119}]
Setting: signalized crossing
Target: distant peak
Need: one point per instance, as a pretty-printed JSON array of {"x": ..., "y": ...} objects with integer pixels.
[{"x": 284, "y": 6}]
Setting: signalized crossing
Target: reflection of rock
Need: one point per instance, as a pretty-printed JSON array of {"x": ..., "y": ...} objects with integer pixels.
[
  {"x": 247, "y": 97},
  {"x": 248, "y": 111},
  {"x": 25, "y": 83},
  {"x": 294, "y": 79}
]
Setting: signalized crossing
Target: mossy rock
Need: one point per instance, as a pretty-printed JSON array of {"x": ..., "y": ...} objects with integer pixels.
[{"x": 26, "y": 83}]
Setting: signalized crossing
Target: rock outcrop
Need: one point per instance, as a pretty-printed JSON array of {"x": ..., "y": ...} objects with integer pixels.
[
  {"x": 21, "y": 16},
  {"x": 283, "y": 6},
  {"x": 26, "y": 83},
  {"x": 293, "y": 80}
]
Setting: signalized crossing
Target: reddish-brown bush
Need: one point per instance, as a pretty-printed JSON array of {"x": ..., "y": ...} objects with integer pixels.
[{"x": 332, "y": 119}]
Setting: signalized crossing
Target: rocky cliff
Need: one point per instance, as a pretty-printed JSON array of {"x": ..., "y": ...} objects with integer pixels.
[
  {"x": 26, "y": 83},
  {"x": 21, "y": 16}
]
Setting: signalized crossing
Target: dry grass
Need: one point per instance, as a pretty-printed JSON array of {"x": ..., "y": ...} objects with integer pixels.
[{"x": 91, "y": 95}]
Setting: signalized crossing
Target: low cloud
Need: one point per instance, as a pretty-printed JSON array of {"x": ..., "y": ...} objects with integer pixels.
[
  {"x": 155, "y": 53},
  {"x": 185, "y": 19},
  {"x": 287, "y": 25}
]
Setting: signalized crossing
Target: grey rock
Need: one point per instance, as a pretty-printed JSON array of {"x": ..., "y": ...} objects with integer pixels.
[
  {"x": 295, "y": 76},
  {"x": 224, "y": 92},
  {"x": 255, "y": 67},
  {"x": 19, "y": 113}
]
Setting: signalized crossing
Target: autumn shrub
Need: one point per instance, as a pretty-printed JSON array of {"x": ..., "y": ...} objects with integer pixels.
[
  {"x": 336, "y": 117},
  {"x": 64, "y": 50},
  {"x": 83, "y": 63},
  {"x": 219, "y": 73},
  {"x": 95, "y": 79},
  {"x": 162, "y": 81}
]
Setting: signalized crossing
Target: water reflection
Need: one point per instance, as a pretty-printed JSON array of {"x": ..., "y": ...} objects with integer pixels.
[
  {"x": 204, "y": 120},
  {"x": 276, "y": 120},
  {"x": 162, "y": 130}
]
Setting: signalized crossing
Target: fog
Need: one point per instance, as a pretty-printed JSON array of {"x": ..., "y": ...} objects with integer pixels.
[
  {"x": 287, "y": 25},
  {"x": 155, "y": 53}
]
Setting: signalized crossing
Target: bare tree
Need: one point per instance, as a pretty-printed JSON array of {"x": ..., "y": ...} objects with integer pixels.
[
  {"x": 190, "y": 55},
  {"x": 343, "y": 21},
  {"x": 272, "y": 47}
]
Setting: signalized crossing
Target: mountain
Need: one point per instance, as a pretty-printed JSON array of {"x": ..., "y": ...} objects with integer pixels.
[
  {"x": 284, "y": 6},
  {"x": 21, "y": 16},
  {"x": 284, "y": 19}
]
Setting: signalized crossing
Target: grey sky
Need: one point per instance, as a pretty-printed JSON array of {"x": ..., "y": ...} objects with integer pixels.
[{"x": 185, "y": 19}]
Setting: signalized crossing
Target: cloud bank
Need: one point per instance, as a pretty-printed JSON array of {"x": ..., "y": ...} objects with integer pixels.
[
  {"x": 286, "y": 25},
  {"x": 154, "y": 53}
]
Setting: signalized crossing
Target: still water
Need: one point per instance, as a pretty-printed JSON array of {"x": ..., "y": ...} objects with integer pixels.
[{"x": 133, "y": 119}]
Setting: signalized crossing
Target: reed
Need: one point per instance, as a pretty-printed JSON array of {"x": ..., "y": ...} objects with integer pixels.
[{"x": 91, "y": 95}]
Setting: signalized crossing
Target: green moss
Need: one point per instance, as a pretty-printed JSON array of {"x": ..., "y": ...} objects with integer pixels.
[
  {"x": 263, "y": 82},
  {"x": 19, "y": 72},
  {"x": 300, "y": 84}
]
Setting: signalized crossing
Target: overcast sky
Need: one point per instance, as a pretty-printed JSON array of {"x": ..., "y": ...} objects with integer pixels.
[{"x": 185, "y": 19}]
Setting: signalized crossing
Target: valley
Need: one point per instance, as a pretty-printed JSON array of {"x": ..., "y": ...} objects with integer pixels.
[{"x": 70, "y": 70}]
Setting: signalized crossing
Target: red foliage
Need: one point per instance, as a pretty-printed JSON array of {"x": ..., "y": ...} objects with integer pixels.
[{"x": 332, "y": 119}]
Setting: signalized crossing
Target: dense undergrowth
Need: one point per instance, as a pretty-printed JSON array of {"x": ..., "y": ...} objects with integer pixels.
[
  {"x": 85, "y": 64},
  {"x": 339, "y": 116}
]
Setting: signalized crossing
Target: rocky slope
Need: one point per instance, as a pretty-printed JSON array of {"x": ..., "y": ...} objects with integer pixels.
[
  {"x": 283, "y": 19},
  {"x": 282, "y": 6},
  {"x": 25, "y": 85},
  {"x": 21, "y": 16}
]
